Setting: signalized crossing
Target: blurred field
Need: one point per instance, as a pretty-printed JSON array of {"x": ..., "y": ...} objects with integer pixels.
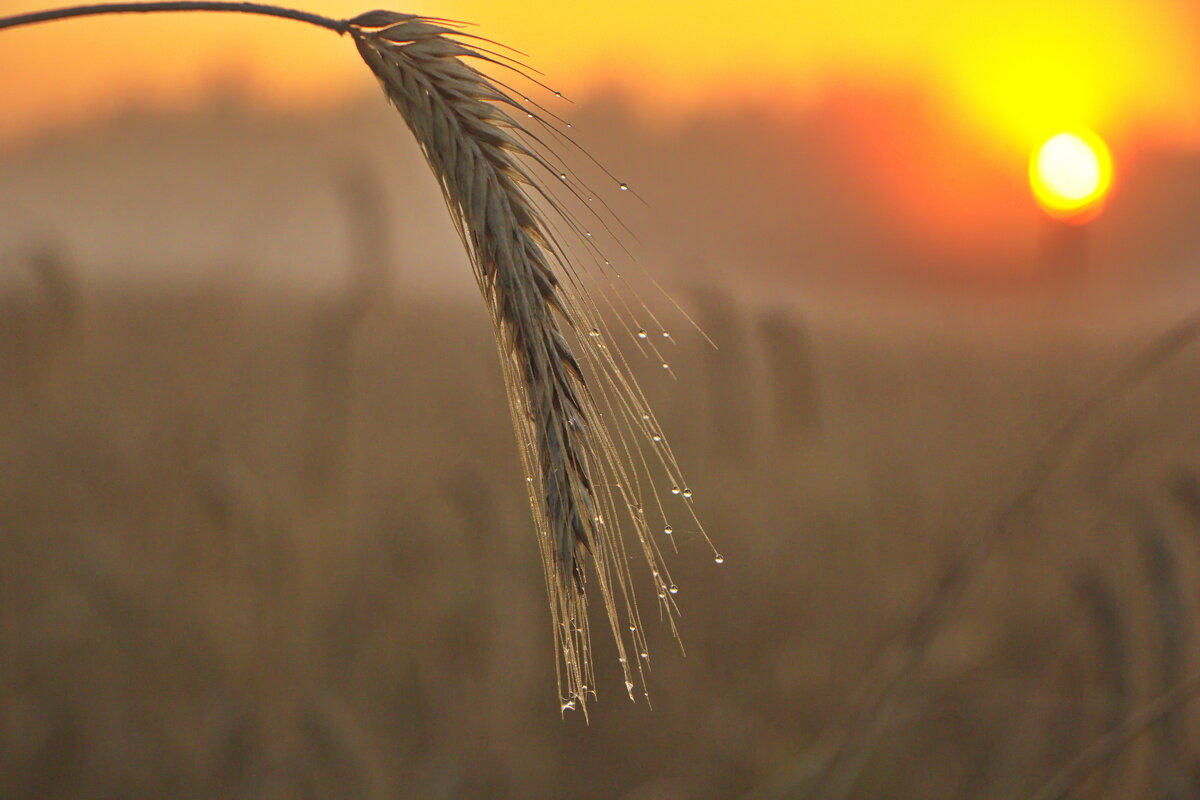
[
  {"x": 264, "y": 534},
  {"x": 273, "y": 545}
]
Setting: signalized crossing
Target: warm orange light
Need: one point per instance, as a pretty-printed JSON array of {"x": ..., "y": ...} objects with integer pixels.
[{"x": 1071, "y": 174}]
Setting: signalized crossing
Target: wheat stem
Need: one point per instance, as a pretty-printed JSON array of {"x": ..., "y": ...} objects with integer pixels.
[
  {"x": 339, "y": 26},
  {"x": 1115, "y": 741},
  {"x": 842, "y": 766}
]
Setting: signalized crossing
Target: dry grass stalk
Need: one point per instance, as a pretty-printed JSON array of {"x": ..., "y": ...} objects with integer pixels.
[
  {"x": 1116, "y": 740},
  {"x": 1174, "y": 648},
  {"x": 1102, "y": 606},
  {"x": 847, "y": 745}
]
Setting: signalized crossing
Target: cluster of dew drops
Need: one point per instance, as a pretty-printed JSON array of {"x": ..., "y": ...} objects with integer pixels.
[
  {"x": 656, "y": 437},
  {"x": 642, "y": 335}
]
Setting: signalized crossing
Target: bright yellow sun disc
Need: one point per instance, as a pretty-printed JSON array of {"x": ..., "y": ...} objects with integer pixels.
[{"x": 1070, "y": 174}]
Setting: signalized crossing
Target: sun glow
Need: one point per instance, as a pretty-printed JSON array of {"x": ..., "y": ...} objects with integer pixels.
[{"x": 1071, "y": 174}]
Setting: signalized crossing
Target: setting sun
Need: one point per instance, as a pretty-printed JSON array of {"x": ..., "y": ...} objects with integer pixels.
[{"x": 1071, "y": 174}]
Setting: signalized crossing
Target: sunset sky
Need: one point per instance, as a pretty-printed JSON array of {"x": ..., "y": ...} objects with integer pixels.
[
  {"x": 931, "y": 107},
  {"x": 1014, "y": 70}
]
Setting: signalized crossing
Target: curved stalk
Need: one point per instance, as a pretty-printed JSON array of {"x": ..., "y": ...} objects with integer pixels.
[{"x": 339, "y": 26}]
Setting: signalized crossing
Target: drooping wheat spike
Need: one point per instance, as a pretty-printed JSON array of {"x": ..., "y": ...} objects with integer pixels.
[
  {"x": 579, "y": 472},
  {"x": 580, "y": 417}
]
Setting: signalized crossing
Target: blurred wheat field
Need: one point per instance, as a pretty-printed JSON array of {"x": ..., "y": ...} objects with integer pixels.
[
  {"x": 265, "y": 532},
  {"x": 277, "y": 545}
]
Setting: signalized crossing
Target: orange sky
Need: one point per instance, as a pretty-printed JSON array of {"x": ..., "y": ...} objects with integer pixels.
[
  {"x": 1015, "y": 69},
  {"x": 935, "y": 105}
]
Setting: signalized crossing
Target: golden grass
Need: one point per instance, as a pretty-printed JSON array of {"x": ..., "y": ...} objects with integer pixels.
[{"x": 183, "y": 602}]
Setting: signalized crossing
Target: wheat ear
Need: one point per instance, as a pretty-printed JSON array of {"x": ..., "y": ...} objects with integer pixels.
[
  {"x": 452, "y": 111},
  {"x": 580, "y": 441},
  {"x": 477, "y": 151}
]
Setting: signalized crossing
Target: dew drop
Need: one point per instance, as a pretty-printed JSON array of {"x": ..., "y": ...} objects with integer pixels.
[
  {"x": 633, "y": 627},
  {"x": 529, "y": 115},
  {"x": 687, "y": 493},
  {"x": 656, "y": 437},
  {"x": 642, "y": 333},
  {"x": 529, "y": 479},
  {"x": 645, "y": 417},
  {"x": 590, "y": 199},
  {"x": 569, "y": 125},
  {"x": 662, "y": 595},
  {"x": 674, "y": 589},
  {"x": 588, "y": 234},
  {"x": 621, "y": 660},
  {"x": 624, "y": 187},
  {"x": 569, "y": 705},
  {"x": 594, "y": 332},
  {"x": 562, "y": 176},
  {"x": 666, "y": 335},
  {"x": 719, "y": 559},
  {"x": 645, "y": 654},
  {"x": 674, "y": 490},
  {"x": 558, "y": 94},
  {"x": 666, "y": 365},
  {"x": 668, "y": 530}
]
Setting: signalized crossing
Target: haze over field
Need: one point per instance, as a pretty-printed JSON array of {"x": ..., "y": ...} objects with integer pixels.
[{"x": 777, "y": 198}]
